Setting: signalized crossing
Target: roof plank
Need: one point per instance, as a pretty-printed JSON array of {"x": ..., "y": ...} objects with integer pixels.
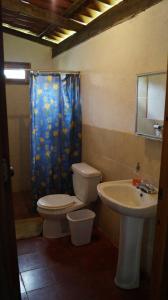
[
  {"x": 77, "y": 4},
  {"x": 42, "y": 14},
  {"x": 27, "y": 36},
  {"x": 116, "y": 15}
]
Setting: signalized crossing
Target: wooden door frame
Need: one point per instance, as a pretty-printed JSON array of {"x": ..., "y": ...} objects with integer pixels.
[
  {"x": 159, "y": 277},
  {"x": 9, "y": 273}
]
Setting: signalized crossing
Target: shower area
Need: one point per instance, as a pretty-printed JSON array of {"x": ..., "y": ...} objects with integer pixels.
[
  {"x": 18, "y": 111},
  {"x": 44, "y": 124}
]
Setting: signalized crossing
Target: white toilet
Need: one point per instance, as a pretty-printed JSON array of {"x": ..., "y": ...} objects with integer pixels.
[{"x": 53, "y": 208}]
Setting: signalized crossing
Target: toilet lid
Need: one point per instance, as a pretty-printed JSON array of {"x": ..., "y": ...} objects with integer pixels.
[{"x": 58, "y": 201}]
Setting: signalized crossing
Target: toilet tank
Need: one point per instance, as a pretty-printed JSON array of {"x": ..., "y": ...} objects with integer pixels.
[{"x": 85, "y": 181}]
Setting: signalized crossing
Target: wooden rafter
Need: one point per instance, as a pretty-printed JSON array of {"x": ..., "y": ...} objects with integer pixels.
[
  {"x": 117, "y": 14},
  {"x": 63, "y": 4},
  {"x": 27, "y": 36},
  {"x": 75, "y": 6},
  {"x": 46, "y": 30},
  {"x": 49, "y": 5},
  {"x": 45, "y": 22},
  {"x": 41, "y": 14}
]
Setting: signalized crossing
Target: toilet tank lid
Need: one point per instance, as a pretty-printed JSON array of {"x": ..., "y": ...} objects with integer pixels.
[{"x": 85, "y": 170}]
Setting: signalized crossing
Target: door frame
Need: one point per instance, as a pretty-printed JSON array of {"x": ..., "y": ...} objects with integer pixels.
[
  {"x": 9, "y": 273},
  {"x": 159, "y": 278}
]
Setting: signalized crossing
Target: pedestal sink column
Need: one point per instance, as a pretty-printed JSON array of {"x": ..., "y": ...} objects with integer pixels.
[{"x": 128, "y": 268}]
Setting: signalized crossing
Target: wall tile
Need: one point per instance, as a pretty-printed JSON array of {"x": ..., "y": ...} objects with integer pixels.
[{"x": 116, "y": 154}]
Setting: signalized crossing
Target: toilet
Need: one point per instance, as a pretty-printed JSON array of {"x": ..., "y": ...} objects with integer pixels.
[{"x": 53, "y": 208}]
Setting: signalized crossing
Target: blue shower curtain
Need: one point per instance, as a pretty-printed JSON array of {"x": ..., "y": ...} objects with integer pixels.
[{"x": 55, "y": 132}]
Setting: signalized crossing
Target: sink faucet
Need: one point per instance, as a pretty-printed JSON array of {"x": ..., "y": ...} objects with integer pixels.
[{"x": 147, "y": 188}]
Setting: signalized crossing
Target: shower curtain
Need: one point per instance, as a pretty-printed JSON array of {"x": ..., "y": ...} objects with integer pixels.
[{"x": 55, "y": 132}]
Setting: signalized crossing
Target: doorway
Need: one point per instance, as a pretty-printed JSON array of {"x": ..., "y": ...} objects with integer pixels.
[{"x": 18, "y": 116}]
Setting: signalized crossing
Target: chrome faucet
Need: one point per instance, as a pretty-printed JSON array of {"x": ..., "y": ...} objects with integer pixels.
[{"x": 147, "y": 188}]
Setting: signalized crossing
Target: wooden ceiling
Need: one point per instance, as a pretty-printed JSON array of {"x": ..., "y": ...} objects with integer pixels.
[{"x": 62, "y": 24}]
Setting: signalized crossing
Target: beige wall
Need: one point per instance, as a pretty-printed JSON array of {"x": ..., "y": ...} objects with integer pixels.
[
  {"x": 20, "y": 50},
  {"x": 109, "y": 63}
]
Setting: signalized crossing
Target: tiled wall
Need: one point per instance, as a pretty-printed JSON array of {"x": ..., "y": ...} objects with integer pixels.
[
  {"x": 109, "y": 64},
  {"x": 115, "y": 154}
]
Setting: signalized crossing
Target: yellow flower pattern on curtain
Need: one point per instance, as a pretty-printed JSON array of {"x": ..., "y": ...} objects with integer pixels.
[{"x": 55, "y": 132}]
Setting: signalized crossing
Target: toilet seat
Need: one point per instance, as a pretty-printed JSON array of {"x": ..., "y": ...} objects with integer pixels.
[{"x": 56, "y": 201}]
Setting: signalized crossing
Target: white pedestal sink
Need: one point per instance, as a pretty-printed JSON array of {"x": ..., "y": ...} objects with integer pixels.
[{"x": 134, "y": 206}]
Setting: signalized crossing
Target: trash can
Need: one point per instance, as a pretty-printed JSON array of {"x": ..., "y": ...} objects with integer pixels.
[{"x": 81, "y": 224}]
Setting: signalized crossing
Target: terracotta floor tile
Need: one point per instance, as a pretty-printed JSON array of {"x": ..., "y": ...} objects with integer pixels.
[
  {"x": 22, "y": 288},
  {"x": 79, "y": 292},
  {"x": 47, "y": 293},
  {"x": 37, "y": 278},
  {"x": 31, "y": 261},
  {"x": 31, "y": 245},
  {"x": 67, "y": 276},
  {"x": 24, "y": 296},
  {"x": 55, "y": 255},
  {"x": 72, "y": 273},
  {"x": 99, "y": 259}
]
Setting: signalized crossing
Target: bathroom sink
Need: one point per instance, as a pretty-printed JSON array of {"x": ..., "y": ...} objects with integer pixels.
[
  {"x": 126, "y": 199},
  {"x": 134, "y": 206}
]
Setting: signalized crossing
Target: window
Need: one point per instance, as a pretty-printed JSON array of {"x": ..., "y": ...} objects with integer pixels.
[{"x": 17, "y": 73}]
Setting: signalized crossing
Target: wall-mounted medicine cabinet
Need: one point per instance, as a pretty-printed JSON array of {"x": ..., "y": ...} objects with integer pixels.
[{"x": 151, "y": 93}]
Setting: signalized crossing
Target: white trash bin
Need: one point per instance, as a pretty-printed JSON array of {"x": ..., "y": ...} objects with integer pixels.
[{"x": 81, "y": 224}]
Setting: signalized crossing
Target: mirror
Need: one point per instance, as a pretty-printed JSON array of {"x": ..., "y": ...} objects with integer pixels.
[{"x": 151, "y": 93}]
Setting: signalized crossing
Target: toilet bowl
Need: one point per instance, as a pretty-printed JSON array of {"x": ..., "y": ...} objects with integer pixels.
[{"x": 53, "y": 208}]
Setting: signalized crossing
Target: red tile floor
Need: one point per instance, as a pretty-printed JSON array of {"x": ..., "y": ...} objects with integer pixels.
[{"x": 54, "y": 269}]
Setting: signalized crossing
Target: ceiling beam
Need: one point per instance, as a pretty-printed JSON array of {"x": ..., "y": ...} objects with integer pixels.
[
  {"x": 47, "y": 30},
  {"x": 77, "y": 4},
  {"x": 27, "y": 36},
  {"x": 41, "y": 14},
  {"x": 116, "y": 15}
]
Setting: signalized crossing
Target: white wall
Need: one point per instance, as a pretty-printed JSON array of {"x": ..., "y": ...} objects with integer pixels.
[
  {"x": 21, "y": 50},
  {"x": 109, "y": 63}
]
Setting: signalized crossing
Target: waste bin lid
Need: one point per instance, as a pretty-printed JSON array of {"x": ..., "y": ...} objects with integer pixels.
[{"x": 81, "y": 215}]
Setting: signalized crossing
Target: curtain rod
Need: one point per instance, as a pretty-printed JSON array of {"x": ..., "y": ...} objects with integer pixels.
[{"x": 54, "y": 72}]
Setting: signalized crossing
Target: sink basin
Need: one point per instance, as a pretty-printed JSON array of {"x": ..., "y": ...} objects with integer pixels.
[
  {"x": 134, "y": 206},
  {"x": 126, "y": 199}
]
